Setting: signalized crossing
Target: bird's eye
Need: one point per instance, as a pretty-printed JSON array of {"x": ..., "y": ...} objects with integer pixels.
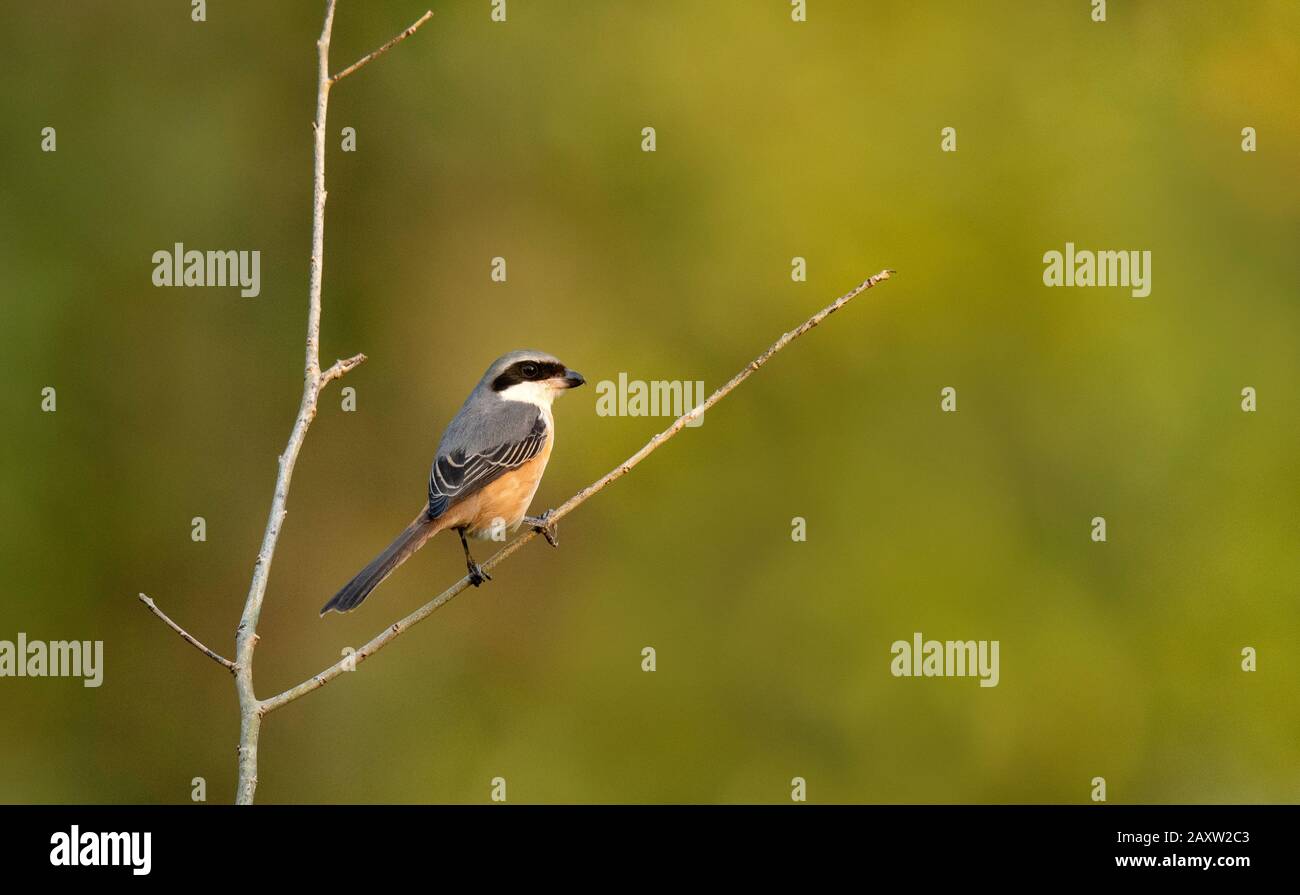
[{"x": 529, "y": 371}]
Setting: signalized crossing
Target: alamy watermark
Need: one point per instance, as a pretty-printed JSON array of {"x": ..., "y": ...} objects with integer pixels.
[
  {"x": 637, "y": 397},
  {"x": 946, "y": 658},
  {"x": 56, "y": 658},
  {"x": 182, "y": 267},
  {"x": 1130, "y": 269},
  {"x": 77, "y": 849}
]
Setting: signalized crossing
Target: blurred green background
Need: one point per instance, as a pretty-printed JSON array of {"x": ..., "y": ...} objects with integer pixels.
[{"x": 775, "y": 139}]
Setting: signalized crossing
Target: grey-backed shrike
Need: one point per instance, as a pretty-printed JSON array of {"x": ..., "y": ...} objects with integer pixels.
[{"x": 490, "y": 461}]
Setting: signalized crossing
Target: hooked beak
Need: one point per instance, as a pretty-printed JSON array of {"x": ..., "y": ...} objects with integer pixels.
[{"x": 573, "y": 379}]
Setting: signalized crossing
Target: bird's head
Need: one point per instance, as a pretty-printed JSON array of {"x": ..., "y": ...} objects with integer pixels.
[{"x": 531, "y": 376}]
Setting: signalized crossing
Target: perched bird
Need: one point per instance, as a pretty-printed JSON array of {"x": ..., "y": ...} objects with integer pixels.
[{"x": 489, "y": 463}]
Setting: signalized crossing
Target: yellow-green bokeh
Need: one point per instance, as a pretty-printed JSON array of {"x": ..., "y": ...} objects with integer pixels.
[{"x": 775, "y": 139}]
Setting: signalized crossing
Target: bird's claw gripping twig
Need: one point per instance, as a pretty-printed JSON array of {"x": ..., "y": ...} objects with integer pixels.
[
  {"x": 477, "y": 575},
  {"x": 543, "y": 525}
]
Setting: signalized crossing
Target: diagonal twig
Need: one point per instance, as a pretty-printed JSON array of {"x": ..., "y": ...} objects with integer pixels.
[
  {"x": 398, "y": 628},
  {"x": 189, "y": 638},
  {"x": 366, "y": 60}
]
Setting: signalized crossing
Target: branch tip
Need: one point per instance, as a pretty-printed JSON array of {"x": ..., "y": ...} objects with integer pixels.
[
  {"x": 339, "y": 368},
  {"x": 186, "y": 635}
]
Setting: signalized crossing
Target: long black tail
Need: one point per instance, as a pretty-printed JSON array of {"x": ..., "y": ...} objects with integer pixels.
[{"x": 382, "y": 566}]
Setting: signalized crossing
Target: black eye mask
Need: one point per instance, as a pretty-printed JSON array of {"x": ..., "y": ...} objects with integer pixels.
[{"x": 514, "y": 374}]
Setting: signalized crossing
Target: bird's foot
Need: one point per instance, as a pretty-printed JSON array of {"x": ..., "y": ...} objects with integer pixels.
[
  {"x": 477, "y": 575},
  {"x": 546, "y": 527}
]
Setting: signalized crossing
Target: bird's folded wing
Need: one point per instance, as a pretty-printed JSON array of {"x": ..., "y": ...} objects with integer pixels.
[{"x": 457, "y": 474}]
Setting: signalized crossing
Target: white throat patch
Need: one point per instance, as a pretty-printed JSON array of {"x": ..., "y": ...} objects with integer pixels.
[{"x": 539, "y": 394}]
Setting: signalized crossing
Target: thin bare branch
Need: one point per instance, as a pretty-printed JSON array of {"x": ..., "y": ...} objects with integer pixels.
[
  {"x": 186, "y": 635},
  {"x": 251, "y": 709},
  {"x": 396, "y": 629},
  {"x": 366, "y": 60},
  {"x": 340, "y": 367},
  {"x": 246, "y": 638}
]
